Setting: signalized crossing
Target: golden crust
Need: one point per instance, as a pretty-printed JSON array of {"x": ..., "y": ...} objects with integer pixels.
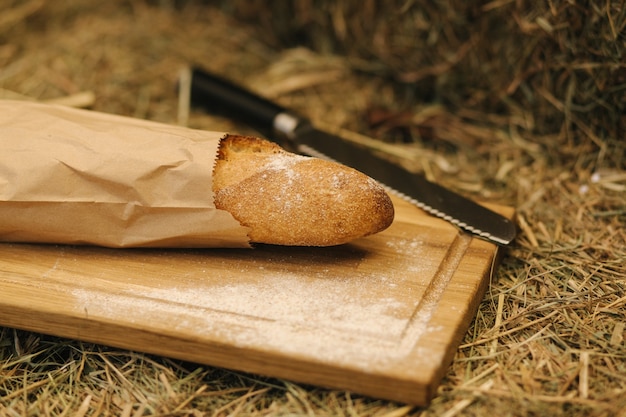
[{"x": 289, "y": 199}]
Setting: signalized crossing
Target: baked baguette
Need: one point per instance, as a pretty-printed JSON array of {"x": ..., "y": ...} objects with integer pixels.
[{"x": 289, "y": 199}]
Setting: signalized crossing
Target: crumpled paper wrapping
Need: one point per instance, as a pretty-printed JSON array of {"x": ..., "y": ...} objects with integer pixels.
[{"x": 72, "y": 176}]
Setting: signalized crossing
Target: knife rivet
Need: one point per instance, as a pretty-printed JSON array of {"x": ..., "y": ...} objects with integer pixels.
[{"x": 285, "y": 124}]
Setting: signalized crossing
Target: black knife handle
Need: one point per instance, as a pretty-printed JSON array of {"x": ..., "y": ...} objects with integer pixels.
[{"x": 222, "y": 96}]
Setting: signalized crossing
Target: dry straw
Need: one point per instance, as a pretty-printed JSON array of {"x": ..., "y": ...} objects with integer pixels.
[{"x": 513, "y": 102}]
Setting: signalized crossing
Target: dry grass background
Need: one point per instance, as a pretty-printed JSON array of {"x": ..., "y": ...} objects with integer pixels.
[{"x": 504, "y": 101}]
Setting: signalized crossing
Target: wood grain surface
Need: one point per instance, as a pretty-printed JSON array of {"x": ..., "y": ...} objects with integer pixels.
[{"x": 382, "y": 316}]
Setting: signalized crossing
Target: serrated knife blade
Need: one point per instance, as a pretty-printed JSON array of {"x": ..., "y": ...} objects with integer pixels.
[{"x": 276, "y": 122}]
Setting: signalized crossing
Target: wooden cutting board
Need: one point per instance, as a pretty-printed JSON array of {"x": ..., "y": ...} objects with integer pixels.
[{"x": 382, "y": 316}]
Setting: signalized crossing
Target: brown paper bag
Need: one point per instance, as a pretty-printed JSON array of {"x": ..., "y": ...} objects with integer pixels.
[{"x": 81, "y": 177}]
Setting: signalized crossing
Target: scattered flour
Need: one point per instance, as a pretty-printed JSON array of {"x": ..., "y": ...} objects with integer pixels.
[
  {"x": 314, "y": 315},
  {"x": 284, "y": 162},
  {"x": 325, "y": 319}
]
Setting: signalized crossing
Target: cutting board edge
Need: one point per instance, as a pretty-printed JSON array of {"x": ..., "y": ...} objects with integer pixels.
[
  {"x": 466, "y": 318},
  {"x": 409, "y": 391}
]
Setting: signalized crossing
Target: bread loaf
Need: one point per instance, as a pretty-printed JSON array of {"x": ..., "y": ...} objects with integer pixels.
[{"x": 289, "y": 199}]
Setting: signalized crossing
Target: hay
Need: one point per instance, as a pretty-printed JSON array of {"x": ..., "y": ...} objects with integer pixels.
[
  {"x": 502, "y": 102},
  {"x": 555, "y": 65}
]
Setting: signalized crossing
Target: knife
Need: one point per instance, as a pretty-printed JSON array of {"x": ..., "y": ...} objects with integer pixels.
[{"x": 278, "y": 123}]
